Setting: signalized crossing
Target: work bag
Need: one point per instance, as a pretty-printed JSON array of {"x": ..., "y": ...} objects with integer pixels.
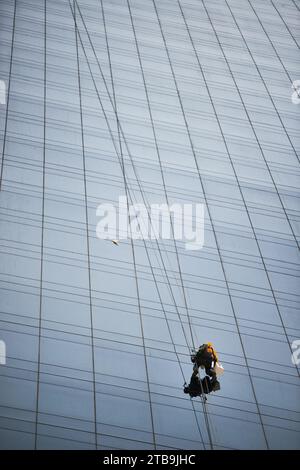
[{"x": 219, "y": 369}]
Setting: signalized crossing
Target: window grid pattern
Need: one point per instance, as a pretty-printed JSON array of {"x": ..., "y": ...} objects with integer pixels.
[{"x": 161, "y": 101}]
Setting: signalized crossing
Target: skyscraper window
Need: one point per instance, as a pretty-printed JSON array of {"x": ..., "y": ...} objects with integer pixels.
[{"x": 178, "y": 102}]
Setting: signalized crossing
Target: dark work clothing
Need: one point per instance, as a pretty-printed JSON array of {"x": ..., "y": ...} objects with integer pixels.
[
  {"x": 206, "y": 360},
  {"x": 210, "y": 385},
  {"x": 210, "y": 371},
  {"x": 196, "y": 388},
  {"x": 206, "y": 385}
]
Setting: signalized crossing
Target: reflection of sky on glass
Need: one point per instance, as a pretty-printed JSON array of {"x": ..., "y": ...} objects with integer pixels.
[{"x": 205, "y": 115}]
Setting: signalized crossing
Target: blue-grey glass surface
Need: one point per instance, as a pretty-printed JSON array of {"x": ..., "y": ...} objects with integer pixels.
[{"x": 192, "y": 101}]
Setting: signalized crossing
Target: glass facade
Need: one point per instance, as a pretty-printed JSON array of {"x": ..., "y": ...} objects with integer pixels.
[{"x": 162, "y": 101}]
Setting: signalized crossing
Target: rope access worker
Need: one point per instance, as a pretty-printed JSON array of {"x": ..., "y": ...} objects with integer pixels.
[{"x": 207, "y": 358}]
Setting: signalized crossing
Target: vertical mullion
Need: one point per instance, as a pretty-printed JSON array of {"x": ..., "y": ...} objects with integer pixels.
[
  {"x": 8, "y": 92},
  {"x": 87, "y": 224},
  {"x": 43, "y": 225}
]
